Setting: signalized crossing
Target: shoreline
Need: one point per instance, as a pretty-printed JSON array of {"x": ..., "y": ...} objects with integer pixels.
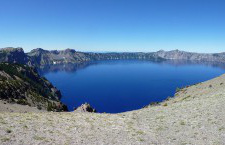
[
  {"x": 6, "y": 107},
  {"x": 194, "y": 116}
]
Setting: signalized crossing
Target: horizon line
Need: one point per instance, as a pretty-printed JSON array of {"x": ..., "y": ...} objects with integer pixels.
[{"x": 77, "y": 50}]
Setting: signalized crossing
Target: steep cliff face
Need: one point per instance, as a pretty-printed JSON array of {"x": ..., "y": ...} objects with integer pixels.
[
  {"x": 182, "y": 55},
  {"x": 43, "y": 57},
  {"x": 23, "y": 85},
  {"x": 14, "y": 55}
]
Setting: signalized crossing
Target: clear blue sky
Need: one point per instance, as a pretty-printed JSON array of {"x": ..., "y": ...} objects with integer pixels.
[{"x": 114, "y": 25}]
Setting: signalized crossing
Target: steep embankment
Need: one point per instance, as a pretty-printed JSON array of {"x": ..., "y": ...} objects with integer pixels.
[
  {"x": 195, "y": 116},
  {"x": 22, "y": 85}
]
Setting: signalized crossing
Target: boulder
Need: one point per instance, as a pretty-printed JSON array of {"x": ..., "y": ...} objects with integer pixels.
[{"x": 85, "y": 108}]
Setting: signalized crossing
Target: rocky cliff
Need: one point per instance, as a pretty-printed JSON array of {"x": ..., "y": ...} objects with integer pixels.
[
  {"x": 69, "y": 56},
  {"x": 14, "y": 55},
  {"x": 182, "y": 55},
  {"x": 39, "y": 57},
  {"x": 22, "y": 85}
]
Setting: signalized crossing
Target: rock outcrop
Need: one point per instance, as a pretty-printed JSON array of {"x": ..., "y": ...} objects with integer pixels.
[
  {"x": 69, "y": 56},
  {"x": 14, "y": 55},
  {"x": 85, "y": 108}
]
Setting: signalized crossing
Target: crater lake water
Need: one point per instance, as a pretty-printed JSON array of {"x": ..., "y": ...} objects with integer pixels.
[{"x": 125, "y": 85}]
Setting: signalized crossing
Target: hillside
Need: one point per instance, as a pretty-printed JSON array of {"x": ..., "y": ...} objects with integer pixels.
[
  {"x": 194, "y": 116},
  {"x": 22, "y": 85}
]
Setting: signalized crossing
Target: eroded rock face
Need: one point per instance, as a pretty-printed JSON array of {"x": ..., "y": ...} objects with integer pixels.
[
  {"x": 191, "y": 56},
  {"x": 44, "y": 57},
  {"x": 85, "y": 108},
  {"x": 14, "y": 55}
]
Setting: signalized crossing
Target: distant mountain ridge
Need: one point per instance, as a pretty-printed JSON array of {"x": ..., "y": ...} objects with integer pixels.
[
  {"x": 40, "y": 57},
  {"x": 183, "y": 55},
  {"x": 43, "y": 57}
]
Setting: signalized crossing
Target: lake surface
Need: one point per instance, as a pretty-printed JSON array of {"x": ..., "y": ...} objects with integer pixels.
[{"x": 125, "y": 85}]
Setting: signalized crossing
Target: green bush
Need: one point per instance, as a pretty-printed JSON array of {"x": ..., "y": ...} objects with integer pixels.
[
  {"x": 178, "y": 89},
  {"x": 22, "y": 102}
]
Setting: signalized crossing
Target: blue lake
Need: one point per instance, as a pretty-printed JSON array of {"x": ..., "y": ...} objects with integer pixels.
[{"x": 125, "y": 85}]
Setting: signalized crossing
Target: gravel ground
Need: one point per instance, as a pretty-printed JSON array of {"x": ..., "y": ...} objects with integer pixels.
[
  {"x": 9, "y": 107},
  {"x": 195, "y": 116}
]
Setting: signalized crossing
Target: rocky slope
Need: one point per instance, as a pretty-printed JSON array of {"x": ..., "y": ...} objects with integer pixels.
[
  {"x": 182, "y": 55},
  {"x": 69, "y": 56},
  {"x": 22, "y": 85},
  {"x": 194, "y": 116},
  {"x": 14, "y": 55}
]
